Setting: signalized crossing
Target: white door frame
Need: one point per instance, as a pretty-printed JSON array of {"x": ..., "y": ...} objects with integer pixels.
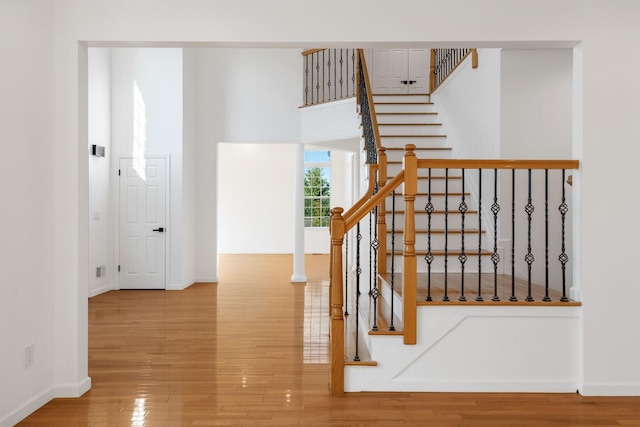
[{"x": 169, "y": 226}]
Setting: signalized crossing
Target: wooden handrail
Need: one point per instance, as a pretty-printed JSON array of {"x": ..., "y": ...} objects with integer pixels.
[
  {"x": 496, "y": 164},
  {"x": 310, "y": 51},
  {"x": 372, "y": 202}
]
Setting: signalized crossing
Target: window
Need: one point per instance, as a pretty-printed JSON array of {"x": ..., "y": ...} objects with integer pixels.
[{"x": 317, "y": 188}]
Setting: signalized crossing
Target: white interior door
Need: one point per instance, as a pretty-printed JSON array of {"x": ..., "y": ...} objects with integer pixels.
[
  {"x": 143, "y": 223},
  {"x": 388, "y": 70},
  {"x": 400, "y": 71},
  {"x": 418, "y": 70}
]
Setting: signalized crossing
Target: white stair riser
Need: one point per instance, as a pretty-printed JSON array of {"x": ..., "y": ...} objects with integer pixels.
[
  {"x": 410, "y": 130},
  {"x": 400, "y": 142},
  {"x": 437, "y": 185},
  {"x": 401, "y": 98},
  {"x": 396, "y": 156},
  {"x": 454, "y": 220},
  {"x": 453, "y": 266},
  {"x": 437, "y": 241},
  {"x": 407, "y": 118},
  {"x": 405, "y": 108}
]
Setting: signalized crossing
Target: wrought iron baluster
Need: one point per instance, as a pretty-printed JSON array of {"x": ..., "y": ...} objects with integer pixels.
[
  {"x": 429, "y": 256},
  {"x": 513, "y": 236},
  {"x": 318, "y": 76},
  {"x": 446, "y": 232},
  {"x": 335, "y": 74},
  {"x": 312, "y": 58},
  {"x": 370, "y": 253},
  {"x": 393, "y": 248},
  {"x": 353, "y": 68},
  {"x": 323, "y": 98},
  {"x": 347, "y": 72},
  {"x": 462, "y": 257},
  {"x": 375, "y": 292},
  {"x": 306, "y": 80},
  {"x": 495, "y": 258},
  {"x": 563, "y": 257},
  {"x": 341, "y": 69},
  {"x": 358, "y": 273},
  {"x": 546, "y": 236},
  {"x": 529, "y": 258},
  {"x": 479, "y": 297}
]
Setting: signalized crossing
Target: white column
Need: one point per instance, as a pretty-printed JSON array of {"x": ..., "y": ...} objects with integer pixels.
[{"x": 298, "y": 219}]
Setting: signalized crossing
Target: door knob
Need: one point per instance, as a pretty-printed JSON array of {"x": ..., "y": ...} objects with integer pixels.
[
  {"x": 404, "y": 82},
  {"x": 161, "y": 229},
  {"x": 412, "y": 82}
]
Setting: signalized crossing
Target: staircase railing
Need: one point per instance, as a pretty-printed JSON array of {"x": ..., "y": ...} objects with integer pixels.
[
  {"x": 515, "y": 189},
  {"x": 329, "y": 75},
  {"x": 445, "y": 61}
]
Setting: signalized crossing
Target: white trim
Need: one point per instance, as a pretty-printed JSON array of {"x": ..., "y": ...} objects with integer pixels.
[
  {"x": 29, "y": 407},
  {"x": 73, "y": 389},
  {"x": 206, "y": 280},
  {"x": 179, "y": 286},
  {"x": 470, "y": 387},
  {"x": 101, "y": 290},
  {"x": 609, "y": 389},
  {"x": 167, "y": 266}
]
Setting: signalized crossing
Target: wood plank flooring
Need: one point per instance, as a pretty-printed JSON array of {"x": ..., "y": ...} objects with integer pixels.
[{"x": 251, "y": 351}]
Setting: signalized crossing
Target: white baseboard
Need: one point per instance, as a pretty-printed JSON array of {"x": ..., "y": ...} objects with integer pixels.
[
  {"x": 468, "y": 387},
  {"x": 101, "y": 290},
  {"x": 298, "y": 278},
  {"x": 26, "y": 409},
  {"x": 73, "y": 390},
  {"x": 212, "y": 279},
  {"x": 179, "y": 286},
  {"x": 603, "y": 389}
]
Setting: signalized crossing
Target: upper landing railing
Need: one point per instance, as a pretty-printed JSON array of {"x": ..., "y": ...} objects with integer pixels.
[
  {"x": 329, "y": 75},
  {"x": 445, "y": 61}
]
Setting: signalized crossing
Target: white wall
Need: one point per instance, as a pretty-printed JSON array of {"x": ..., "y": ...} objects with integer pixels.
[
  {"x": 189, "y": 166},
  {"x": 255, "y": 198},
  {"x": 468, "y": 104},
  {"x": 536, "y": 104},
  {"x": 158, "y": 74},
  {"x": 27, "y": 188},
  {"x": 52, "y": 158},
  {"x": 101, "y": 251}
]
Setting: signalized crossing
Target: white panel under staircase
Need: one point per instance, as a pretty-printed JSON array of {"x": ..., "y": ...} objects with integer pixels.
[{"x": 477, "y": 349}]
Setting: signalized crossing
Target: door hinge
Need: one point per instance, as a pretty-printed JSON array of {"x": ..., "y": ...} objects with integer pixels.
[
  {"x": 118, "y": 269},
  {"x": 118, "y": 172}
]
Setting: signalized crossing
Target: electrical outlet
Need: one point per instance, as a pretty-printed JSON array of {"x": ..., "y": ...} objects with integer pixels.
[{"x": 28, "y": 355}]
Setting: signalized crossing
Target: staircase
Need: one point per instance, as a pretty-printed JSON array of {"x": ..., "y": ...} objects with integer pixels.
[{"x": 476, "y": 335}]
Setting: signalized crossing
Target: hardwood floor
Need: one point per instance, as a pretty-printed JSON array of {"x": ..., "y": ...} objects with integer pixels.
[{"x": 252, "y": 351}]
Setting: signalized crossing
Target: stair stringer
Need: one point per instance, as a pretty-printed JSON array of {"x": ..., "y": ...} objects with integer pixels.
[{"x": 477, "y": 349}]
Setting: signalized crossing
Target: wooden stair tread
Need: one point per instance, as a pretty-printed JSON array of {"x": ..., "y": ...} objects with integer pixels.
[
  {"x": 403, "y": 103},
  {"x": 413, "y": 136},
  {"x": 412, "y": 113},
  {"x": 409, "y": 124},
  {"x": 467, "y": 194},
  {"x": 439, "y": 212},
  {"x": 417, "y": 149},
  {"x": 400, "y": 94},
  {"x": 440, "y": 231},
  {"x": 450, "y": 252},
  {"x": 432, "y": 177}
]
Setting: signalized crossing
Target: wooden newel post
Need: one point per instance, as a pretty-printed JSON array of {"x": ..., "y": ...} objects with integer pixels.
[
  {"x": 409, "y": 266},
  {"x": 336, "y": 337},
  {"x": 382, "y": 207}
]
